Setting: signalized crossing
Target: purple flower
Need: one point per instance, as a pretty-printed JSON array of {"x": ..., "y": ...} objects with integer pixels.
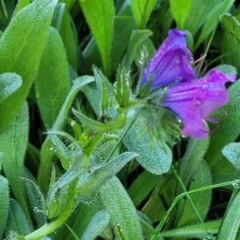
[
  {"x": 192, "y": 100},
  {"x": 171, "y": 62}
]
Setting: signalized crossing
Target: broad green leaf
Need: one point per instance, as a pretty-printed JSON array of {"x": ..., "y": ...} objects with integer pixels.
[
  {"x": 195, "y": 231},
  {"x": 17, "y": 220},
  {"x": 92, "y": 94},
  {"x": 151, "y": 155},
  {"x": 52, "y": 82},
  {"x": 232, "y": 153},
  {"x": 21, "y": 4},
  {"x": 230, "y": 40},
  {"x": 142, "y": 186},
  {"x": 142, "y": 10},
  {"x": 213, "y": 20},
  {"x": 63, "y": 201},
  {"x": 123, "y": 26},
  {"x": 229, "y": 126},
  {"x": 69, "y": 176},
  {"x": 100, "y": 18},
  {"x": 97, "y": 224},
  {"x": 90, "y": 182},
  {"x": 105, "y": 147},
  {"x": 227, "y": 69},
  {"x": 231, "y": 221},
  {"x": 9, "y": 83},
  {"x": 63, "y": 22},
  {"x": 21, "y": 46},
  {"x": 46, "y": 153},
  {"x": 229, "y": 174},
  {"x": 199, "y": 13},
  {"x": 147, "y": 226},
  {"x": 83, "y": 214},
  {"x": 1, "y": 160},
  {"x": 4, "y": 203},
  {"x": 194, "y": 154},
  {"x": 180, "y": 10},
  {"x": 13, "y": 144},
  {"x": 201, "y": 200},
  {"x": 123, "y": 215}
]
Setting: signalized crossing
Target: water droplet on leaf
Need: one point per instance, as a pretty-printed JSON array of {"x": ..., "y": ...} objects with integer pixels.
[
  {"x": 36, "y": 210},
  {"x": 141, "y": 61},
  {"x": 236, "y": 183},
  {"x": 191, "y": 60}
]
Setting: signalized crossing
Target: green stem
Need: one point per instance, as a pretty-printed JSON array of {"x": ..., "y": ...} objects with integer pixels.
[
  {"x": 188, "y": 197},
  {"x": 47, "y": 228},
  {"x": 124, "y": 134},
  {"x": 206, "y": 51},
  {"x": 46, "y": 154},
  {"x": 159, "y": 227}
]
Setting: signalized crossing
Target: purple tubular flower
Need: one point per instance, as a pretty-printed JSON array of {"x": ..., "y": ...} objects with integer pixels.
[
  {"x": 194, "y": 101},
  {"x": 191, "y": 99},
  {"x": 171, "y": 62}
]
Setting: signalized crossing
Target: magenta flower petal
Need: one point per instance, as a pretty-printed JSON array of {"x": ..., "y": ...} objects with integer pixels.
[
  {"x": 194, "y": 101},
  {"x": 171, "y": 63}
]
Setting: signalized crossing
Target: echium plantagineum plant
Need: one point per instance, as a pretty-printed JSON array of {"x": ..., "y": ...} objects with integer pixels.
[
  {"x": 191, "y": 97},
  {"x": 120, "y": 150}
]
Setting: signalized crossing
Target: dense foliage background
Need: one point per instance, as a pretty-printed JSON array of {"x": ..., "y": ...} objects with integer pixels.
[{"x": 82, "y": 155}]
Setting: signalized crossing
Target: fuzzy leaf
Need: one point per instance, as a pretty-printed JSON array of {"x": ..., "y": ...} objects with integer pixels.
[
  {"x": 231, "y": 221},
  {"x": 123, "y": 26},
  {"x": 4, "y": 203},
  {"x": 194, "y": 154},
  {"x": 122, "y": 212},
  {"x": 180, "y": 10},
  {"x": 46, "y": 153},
  {"x": 21, "y": 46},
  {"x": 13, "y": 144},
  {"x": 199, "y": 13},
  {"x": 35, "y": 197},
  {"x": 213, "y": 20},
  {"x": 232, "y": 153},
  {"x": 151, "y": 156},
  {"x": 83, "y": 209},
  {"x": 63, "y": 22},
  {"x": 52, "y": 83},
  {"x": 229, "y": 174},
  {"x": 21, "y": 4},
  {"x": 229, "y": 126},
  {"x": 227, "y": 69},
  {"x": 230, "y": 41},
  {"x": 202, "y": 199},
  {"x": 17, "y": 221},
  {"x": 91, "y": 181},
  {"x": 97, "y": 224},
  {"x": 194, "y": 231},
  {"x": 142, "y": 10},
  {"x": 139, "y": 189},
  {"x": 9, "y": 83},
  {"x": 100, "y": 18}
]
